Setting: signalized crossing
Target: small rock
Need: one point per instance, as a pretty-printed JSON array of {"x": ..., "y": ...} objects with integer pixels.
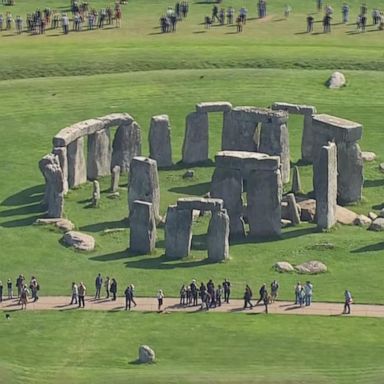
[
  {"x": 146, "y": 354},
  {"x": 113, "y": 195},
  {"x": 285, "y": 223},
  {"x": 196, "y": 214},
  {"x": 381, "y": 167},
  {"x": 372, "y": 216},
  {"x": 368, "y": 156},
  {"x": 337, "y": 80},
  {"x": 377, "y": 225},
  {"x": 362, "y": 220},
  {"x": 283, "y": 266},
  {"x": 311, "y": 267},
  {"x": 381, "y": 213},
  {"x": 345, "y": 216},
  {"x": 79, "y": 241},
  {"x": 189, "y": 174},
  {"x": 113, "y": 230},
  {"x": 62, "y": 224}
]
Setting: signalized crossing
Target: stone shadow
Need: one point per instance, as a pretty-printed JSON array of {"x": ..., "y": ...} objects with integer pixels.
[
  {"x": 373, "y": 183},
  {"x": 199, "y": 189},
  {"x": 113, "y": 256},
  {"x": 378, "y": 206},
  {"x": 99, "y": 227},
  {"x": 26, "y": 196},
  {"x": 370, "y": 248}
]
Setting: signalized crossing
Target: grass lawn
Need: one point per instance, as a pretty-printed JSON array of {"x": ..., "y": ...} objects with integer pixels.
[{"x": 42, "y": 347}]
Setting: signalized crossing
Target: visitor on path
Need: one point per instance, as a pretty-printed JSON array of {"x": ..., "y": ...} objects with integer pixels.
[
  {"x": 107, "y": 286},
  {"x": 218, "y": 295},
  {"x": 24, "y": 293},
  {"x": 194, "y": 292},
  {"x": 20, "y": 282},
  {"x": 248, "y": 297},
  {"x": 65, "y": 23},
  {"x": 345, "y": 12},
  {"x": 274, "y": 290},
  {"x": 113, "y": 289},
  {"x": 302, "y": 297},
  {"x": 203, "y": 293},
  {"x": 183, "y": 295},
  {"x": 297, "y": 293},
  {"x": 9, "y": 288},
  {"x": 1, "y": 291},
  {"x": 128, "y": 297},
  {"x": 82, "y": 289},
  {"x": 34, "y": 287},
  {"x": 239, "y": 24},
  {"x": 310, "y": 21},
  {"x": 319, "y": 5},
  {"x": 308, "y": 289},
  {"x": 160, "y": 298},
  {"x": 243, "y": 12},
  {"x": 98, "y": 285},
  {"x": 266, "y": 300},
  {"x": 327, "y": 23},
  {"x": 230, "y": 15},
  {"x": 363, "y": 22},
  {"x": 262, "y": 291},
  {"x": 133, "y": 294},
  {"x": 227, "y": 290},
  {"x": 287, "y": 10},
  {"x": 75, "y": 294},
  {"x": 347, "y": 302}
]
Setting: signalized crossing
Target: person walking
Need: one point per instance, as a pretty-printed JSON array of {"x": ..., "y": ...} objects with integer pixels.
[
  {"x": 160, "y": 298},
  {"x": 274, "y": 290},
  {"x": 194, "y": 292},
  {"x": 262, "y": 291},
  {"x": 82, "y": 289},
  {"x": 107, "y": 286},
  {"x": 98, "y": 285},
  {"x": 310, "y": 21},
  {"x": 266, "y": 300},
  {"x": 24, "y": 293},
  {"x": 227, "y": 290},
  {"x": 128, "y": 298},
  {"x": 1, "y": 291},
  {"x": 75, "y": 294},
  {"x": 308, "y": 289},
  {"x": 34, "y": 287},
  {"x": 9, "y": 287},
  {"x": 133, "y": 294},
  {"x": 347, "y": 302},
  {"x": 247, "y": 297},
  {"x": 297, "y": 293},
  {"x": 113, "y": 289}
]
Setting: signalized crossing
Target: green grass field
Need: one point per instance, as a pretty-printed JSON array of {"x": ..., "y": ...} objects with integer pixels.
[{"x": 49, "y": 82}]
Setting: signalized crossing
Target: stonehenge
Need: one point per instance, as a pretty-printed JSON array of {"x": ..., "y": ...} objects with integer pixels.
[{"x": 160, "y": 148}]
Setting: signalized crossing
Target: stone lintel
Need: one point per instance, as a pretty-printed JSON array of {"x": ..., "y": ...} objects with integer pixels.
[
  {"x": 201, "y": 204},
  {"x": 215, "y": 106},
  {"x": 297, "y": 109}
]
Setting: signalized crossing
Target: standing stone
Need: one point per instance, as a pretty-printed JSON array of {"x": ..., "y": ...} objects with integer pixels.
[
  {"x": 77, "y": 172},
  {"x": 218, "y": 234},
  {"x": 326, "y": 187},
  {"x": 227, "y": 184},
  {"x": 95, "y": 194},
  {"x": 264, "y": 203},
  {"x": 126, "y": 145},
  {"x": 178, "y": 232},
  {"x": 160, "y": 141},
  {"x": 296, "y": 181},
  {"x": 61, "y": 153},
  {"x": 115, "y": 178},
  {"x": 99, "y": 155},
  {"x": 195, "y": 146},
  {"x": 144, "y": 184},
  {"x": 54, "y": 185},
  {"x": 293, "y": 212},
  {"x": 142, "y": 228}
]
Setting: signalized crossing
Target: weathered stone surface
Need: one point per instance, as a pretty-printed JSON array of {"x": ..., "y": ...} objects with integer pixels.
[
  {"x": 99, "y": 154},
  {"x": 377, "y": 225},
  {"x": 126, "y": 144},
  {"x": 296, "y": 109},
  {"x": 64, "y": 225},
  {"x": 54, "y": 185},
  {"x": 345, "y": 216},
  {"x": 115, "y": 178},
  {"x": 294, "y": 215},
  {"x": 311, "y": 267},
  {"x": 274, "y": 141},
  {"x": 368, "y": 156},
  {"x": 285, "y": 223},
  {"x": 381, "y": 167},
  {"x": 79, "y": 241},
  {"x": 144, "y": 183},
  {"x": 61, "y": 153},
  {"x": 362, "y": 220},
  {"x": 307, "y": 139},
  {"x": 116, "y": 119},
  {"x": 195, "y": 145},
  {"x": 95, "y": 193},
  {"x": 227, "y": 184},
  {"x": 200, "y": 203},
  {"x": 160, "y": 141},
  {"x": 142, "y": 235},
  {"x": 283, "y": 266},
  {"x": 372, "y": 216},
  {"x": 337, "y": 80},
  {"x": 146, "y": 354},
  {"x": 77, "y": 171},
  {"x": 264, "y": 203},
  {"x": 296, "y": 181},
  {"x": 308, "y": 209},
  {"x": 381, "y": 213},
  {"x": 178, "y": 232},
  {"x": 214, "y": 106},
  {"x": 218, "y": 235},
  {"x": 326, "y": 186}
]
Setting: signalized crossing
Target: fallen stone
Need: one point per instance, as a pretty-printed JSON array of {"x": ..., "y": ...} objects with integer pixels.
[
  {"x": 362, "y": 220},
  {"x": 377, "y": 225},
  {"x": 283, "y": 266},
  {"x": 368, "y": 156},
  {"x": 372, "y": 216},
  {"x": 311, "y": 267},
  {"x": 189, "y": 174},
  {"x": 64, "y": 225},
  {"x": 285, "y": 223},
  {"x": 146, "y": 354},
  {"x": 337, "y": 80},
  {"x": 345, "y": 216},
  {"x": 293, "y": 212},
  {"x": 79, "y": 241},
  {"x": 308, "y": 209}
]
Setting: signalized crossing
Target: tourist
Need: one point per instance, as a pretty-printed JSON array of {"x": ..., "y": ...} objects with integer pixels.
[
  {"x": 308, "y": 289},
  {"x": 247, "y": 297},
  {"x": 358, "y": 23},
  {"x": 113, "y": 289},
  {"x": 75, "y": 294},
  {"x": 287, "y": 10},
  {"x": 203, "y": 293},
  {"x": 1, "y": 22},
  {"x": 347, "y": 302},
  {"x": 230, "y": 14},
  {"x": 215, "y": 13},
  {"x": 222, "y": 16},
  {"x": 9, "y": 21},
  {"x": 327, "y": 24},
  {"x": 218, "y": 295},
  {"x": 82, "y": 289},
  {"x": 345, "y": 12},
  {"x": 239, "y": 25},
  {"x": 302, "y": 296},
  {"x": 9, "y": 287},
  {"x": 297, "y": 292},
  {"x": 160, "y": 298},
  {"x": 183, "y": 295},
  {"x": 20, "y": 282},
  {"x": 207, "y": 22},
  {"x": 243, "y": 16},
  {"x": 227, "y": 290},
  {"x": 363, "y": 22},
  {"x": 107, "y": 286},
  {"x": 1, "y": 291},
  {"x": 274, "y": 290},
  {"x": 133, "y": 294},
  {"x": 65, "y": 23},
  {"x": 98, "y": 285},
  {"x": 262, "y": 291},
  {"x": 266, "y": 300},
  {"x": 19, "y": 24},
  {"x": 128, "y": 297},
  {"x": 310, "y": 21},
  {"x": 319, "y": 4},
  {"x": 34, "y": 287},
  {"x": 24, "y": 293},
  {"x": 194, "y": 292},
  {"x": 376, "y": 17}
]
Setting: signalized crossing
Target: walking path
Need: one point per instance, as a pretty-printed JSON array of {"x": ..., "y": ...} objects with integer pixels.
[{"x": 145, "y": 304}]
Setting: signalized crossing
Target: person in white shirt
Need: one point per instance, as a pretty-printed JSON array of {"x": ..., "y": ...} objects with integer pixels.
[{"x": 160, "y": 298}]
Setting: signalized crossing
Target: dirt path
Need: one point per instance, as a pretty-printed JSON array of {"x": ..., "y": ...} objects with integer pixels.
[{"x": 172, "y": 305}]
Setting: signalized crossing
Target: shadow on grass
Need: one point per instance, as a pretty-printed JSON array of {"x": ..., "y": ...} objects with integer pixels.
[
  {"x": 106, "y": 225},
  {"x": 113, "y": 256},
  {"x": 24, "y": 197},
  {"x": 373, "y": 183},
  {"x": 194, "y": 189},
  {"x": 378, "y": 206},
  {"x": 370, "y": 248}
]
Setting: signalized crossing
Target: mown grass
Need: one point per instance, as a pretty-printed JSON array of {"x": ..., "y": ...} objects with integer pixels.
[{"x": 212, "y": 348}]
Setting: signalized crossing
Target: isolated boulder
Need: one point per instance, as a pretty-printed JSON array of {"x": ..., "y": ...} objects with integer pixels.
[
  {"x": 311, "y": 267},
  {"x": 368, "y": 156},
  {"x": 79, "y": 241},
  {"x": 146, "y": 354},
  {"x": 337, "y": 80},
  {"x": 283, "y": 266},
  {"x": 64, "y": 225},
  {"x": 377, "y": 225},
  {"x": 345, "y": 216}
]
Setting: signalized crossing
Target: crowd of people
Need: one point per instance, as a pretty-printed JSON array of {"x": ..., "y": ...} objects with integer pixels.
[
  {"x": 206, "y": 296},
  {"x": 169, "y": 20}
]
